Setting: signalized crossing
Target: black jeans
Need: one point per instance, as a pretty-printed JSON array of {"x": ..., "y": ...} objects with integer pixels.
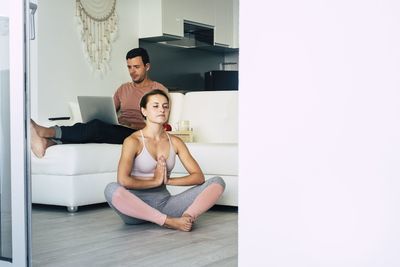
[{"x": 95, "y": 131}]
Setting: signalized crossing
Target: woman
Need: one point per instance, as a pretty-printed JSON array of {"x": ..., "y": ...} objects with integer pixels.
[{"x": 147, "y": 159}]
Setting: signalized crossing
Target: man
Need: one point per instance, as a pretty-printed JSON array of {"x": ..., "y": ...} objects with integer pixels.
[{"x": 126, "y": 99}]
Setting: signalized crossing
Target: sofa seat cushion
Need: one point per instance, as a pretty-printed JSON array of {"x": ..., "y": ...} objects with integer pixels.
[
  {"x": 77, "y": 159},
  {"x": 215, "y": 159}
]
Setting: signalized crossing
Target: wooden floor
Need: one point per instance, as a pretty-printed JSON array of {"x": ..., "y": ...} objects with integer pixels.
[{"x": 95, "y": 236}]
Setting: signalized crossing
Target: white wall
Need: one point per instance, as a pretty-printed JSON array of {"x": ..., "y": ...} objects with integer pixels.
[
  {"x": 320, "y": 133},
  {"x": 63, "y": 72},
  {"x": 4, "y": 8}
]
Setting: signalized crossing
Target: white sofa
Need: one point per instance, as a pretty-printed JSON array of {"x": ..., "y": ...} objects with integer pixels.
[{"x": 74, "y": 175}]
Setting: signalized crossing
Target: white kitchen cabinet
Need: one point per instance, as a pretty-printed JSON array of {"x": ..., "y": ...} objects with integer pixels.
[
  {"x": 159, "y": 18},
  {"x": 235, "y": 29},
  {"x": 223, "y": 31},
  {"x": 172, "y": 17},
  {"x": 163, "y": 19},
  {"x": 198, "y": 11},
  {"x": 226, "y": 23}
]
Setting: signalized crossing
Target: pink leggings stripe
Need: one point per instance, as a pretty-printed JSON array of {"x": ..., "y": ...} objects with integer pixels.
[
  {"x": 156, "y": 204},
  {"x": 131, "y": 205},
  {"x": 205, "y": 200}
]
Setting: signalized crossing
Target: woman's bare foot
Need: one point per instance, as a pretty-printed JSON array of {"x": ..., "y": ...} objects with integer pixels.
[
  {"x": 192, "y": 219},
  {"x": 38, "y": 143},
  {"x": 183, "y": 223}
]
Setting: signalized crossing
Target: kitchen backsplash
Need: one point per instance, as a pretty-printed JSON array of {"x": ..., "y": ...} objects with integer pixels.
[{"x": 182, "y": 69}]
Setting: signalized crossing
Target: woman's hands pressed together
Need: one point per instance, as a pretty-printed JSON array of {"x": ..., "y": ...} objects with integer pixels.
[{"x": 160, "y": 173}]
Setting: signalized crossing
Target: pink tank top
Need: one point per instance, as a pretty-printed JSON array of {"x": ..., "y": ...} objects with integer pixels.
[{"x": 145, "y": 164}]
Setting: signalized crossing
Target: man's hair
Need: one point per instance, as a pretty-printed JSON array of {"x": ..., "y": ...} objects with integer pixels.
[{"x": 138, "y": 52}]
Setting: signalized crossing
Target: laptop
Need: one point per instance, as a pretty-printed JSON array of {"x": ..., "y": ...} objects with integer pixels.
[{"x": 98, "y": 107}]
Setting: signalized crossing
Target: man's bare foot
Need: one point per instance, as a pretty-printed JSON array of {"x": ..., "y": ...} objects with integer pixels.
[
  {"x": 183, "y": 223},
  {"x": 43, "y": 132},
  {"x": 39, "y": 144}
]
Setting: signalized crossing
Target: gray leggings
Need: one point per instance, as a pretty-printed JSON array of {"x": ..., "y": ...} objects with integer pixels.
[{"x": 160, "y": 198}]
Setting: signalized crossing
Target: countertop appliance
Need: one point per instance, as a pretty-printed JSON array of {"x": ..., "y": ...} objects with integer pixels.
[{"x": 217, "y": 80}]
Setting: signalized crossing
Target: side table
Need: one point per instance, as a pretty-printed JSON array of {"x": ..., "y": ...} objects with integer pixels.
[{"x": 186, "y": 136}]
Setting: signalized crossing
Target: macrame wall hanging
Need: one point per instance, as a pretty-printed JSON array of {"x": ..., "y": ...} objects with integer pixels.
[{"x": 98, "y": 21}]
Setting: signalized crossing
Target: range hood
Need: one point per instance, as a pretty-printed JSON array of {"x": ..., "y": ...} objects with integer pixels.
[{"x": 195, "y": 35}]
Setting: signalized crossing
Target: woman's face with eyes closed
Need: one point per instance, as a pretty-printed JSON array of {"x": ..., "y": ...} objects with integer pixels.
[{"x": 157, "y": 109}]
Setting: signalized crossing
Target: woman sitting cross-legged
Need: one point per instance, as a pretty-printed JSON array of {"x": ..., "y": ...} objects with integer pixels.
[{"x": 147, "y": 158}]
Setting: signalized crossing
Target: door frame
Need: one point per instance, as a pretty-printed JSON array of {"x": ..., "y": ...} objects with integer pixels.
[{"x": 19, "y": 133}]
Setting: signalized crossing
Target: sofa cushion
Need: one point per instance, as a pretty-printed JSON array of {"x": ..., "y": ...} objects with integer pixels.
[
  {"x": 176, "y": 103},
  {"x": 213, "y": 115},
  {"x": 77, "y": 159},
  {"x": 215, "y": 159}
]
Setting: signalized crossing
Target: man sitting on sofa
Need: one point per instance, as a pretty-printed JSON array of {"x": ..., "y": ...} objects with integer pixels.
[{"x": 126, "y": 99}]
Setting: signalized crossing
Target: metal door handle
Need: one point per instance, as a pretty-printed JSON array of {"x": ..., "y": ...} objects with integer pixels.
[{"x": 33, "y": 8}]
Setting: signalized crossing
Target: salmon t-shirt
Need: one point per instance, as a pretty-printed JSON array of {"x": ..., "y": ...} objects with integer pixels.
[{"x": 127, "y": 102}]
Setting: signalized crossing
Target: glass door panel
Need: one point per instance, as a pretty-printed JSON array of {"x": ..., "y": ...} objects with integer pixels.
[
  {"x": 5, "y": 165},
  {"x": 14, "y": 160}
]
